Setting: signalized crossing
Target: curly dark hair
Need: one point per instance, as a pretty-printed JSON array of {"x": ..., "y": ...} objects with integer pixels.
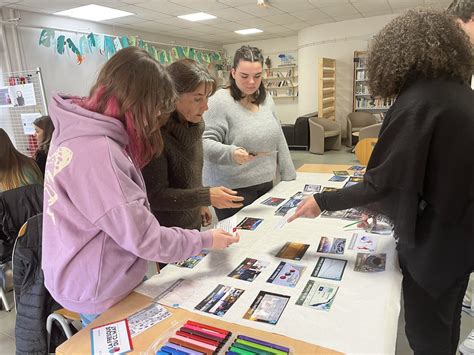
[
  {"x": 417, "y": 44},
  {"x": 464, "y": 9}
]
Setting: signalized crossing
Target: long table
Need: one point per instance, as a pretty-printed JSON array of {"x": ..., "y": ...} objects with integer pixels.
[{"x": 362, "y": 319}]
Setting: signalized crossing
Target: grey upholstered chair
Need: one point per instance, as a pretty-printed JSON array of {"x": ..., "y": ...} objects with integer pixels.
[
  {"x": 324, "y": 134},
  {"x": 356, "y": 121},
  {"x": 371, "y": 131}
]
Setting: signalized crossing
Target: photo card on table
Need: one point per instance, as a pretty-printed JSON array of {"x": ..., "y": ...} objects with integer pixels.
[
  {"x": 331, "y": 245},
  {"x": 267, "y": 307},
  {"x": 329, "y": 268},
  {"x": 317, "y": 295},
  {"x": 292, "y": 250},
  {"x": 286, "y": 274},
  {"x": 219, "y": 301},
  {"x": 249, "y": 269},
  {"x": 249, "y": 223}
]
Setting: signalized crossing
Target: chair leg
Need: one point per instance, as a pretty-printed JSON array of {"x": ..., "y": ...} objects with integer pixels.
[
  {"x": 3, "y": 296},
  {"x": 63, "y": 322}
]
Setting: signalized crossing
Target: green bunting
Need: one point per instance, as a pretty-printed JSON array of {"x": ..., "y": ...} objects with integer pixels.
[{"x": 109, "y": 45}]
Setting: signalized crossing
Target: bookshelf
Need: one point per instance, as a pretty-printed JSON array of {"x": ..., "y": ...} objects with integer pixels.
[
  {"x": 282, "y": 81},
  {"x": 362, "y": 100},
  {"x": 327, "y": 88}
]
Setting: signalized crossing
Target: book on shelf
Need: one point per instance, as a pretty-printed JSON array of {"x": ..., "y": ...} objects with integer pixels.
[{"x": 373, "y": 103}]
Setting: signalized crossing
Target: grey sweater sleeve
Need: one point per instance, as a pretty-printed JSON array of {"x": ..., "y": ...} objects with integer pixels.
[{"x": 214, "y": 136}]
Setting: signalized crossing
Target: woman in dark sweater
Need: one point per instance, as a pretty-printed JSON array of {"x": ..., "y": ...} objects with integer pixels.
[
  {"x": 174, "y": 179},
  {"x": 421, "y": 172},
  {"x": 43, "y": 132}
]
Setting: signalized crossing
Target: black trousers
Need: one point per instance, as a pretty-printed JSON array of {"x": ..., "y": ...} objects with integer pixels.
[
  {"x": 432, "y": 325},
  {"x": 250, "y": 194}
]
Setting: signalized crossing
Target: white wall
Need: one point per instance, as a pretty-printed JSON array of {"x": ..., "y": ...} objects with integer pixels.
[
  {"x": 286, "y": 108},
  {"x": 60, "y": 72},
  {"x": 336, "y": 40}
]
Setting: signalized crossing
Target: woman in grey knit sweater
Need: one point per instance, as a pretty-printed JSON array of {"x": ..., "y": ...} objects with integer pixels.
[
  {"x": 174, "y": 179},
  {"x": 243, "y": 139}
]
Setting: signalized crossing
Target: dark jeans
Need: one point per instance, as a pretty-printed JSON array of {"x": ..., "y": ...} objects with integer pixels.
[
  {"x": 249, "y": 194},
  {"x": 432, "y": 324}
]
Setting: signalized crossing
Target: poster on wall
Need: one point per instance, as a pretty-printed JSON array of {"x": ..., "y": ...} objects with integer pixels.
[
  {"x": 5, "y": 99},
  {"x": 27, "y": 120},
  {"x": 22, "y": 95}
]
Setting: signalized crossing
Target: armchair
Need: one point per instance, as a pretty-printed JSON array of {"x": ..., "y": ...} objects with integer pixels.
[
  {"x": 324, "y": 134},
  {"x": 356, "y": 121},
  {"x": 297, "y": 134},
  {"x": 371, "y": 131}
]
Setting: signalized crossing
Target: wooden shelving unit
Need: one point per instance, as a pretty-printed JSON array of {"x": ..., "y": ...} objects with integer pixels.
[
  {"x": 282, "y": 81},
  {"x": 327, "y": 88},
  {"x": 362, "y": 100}
]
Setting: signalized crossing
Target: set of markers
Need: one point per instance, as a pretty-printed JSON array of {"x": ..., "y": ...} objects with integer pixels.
[
  {"x": 244, "y": 345},
  {"x": 195, "y": 339}
]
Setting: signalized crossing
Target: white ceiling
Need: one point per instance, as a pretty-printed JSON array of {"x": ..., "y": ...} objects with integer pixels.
[{"x": 282, "y": 18}]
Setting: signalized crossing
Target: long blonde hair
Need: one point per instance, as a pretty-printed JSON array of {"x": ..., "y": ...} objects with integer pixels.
[
  {"x": 137, "y": 90},
  {"x": 16, "y": 169}
]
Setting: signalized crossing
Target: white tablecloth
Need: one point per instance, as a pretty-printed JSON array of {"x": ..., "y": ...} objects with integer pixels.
[{"x": 364, "y": 316}]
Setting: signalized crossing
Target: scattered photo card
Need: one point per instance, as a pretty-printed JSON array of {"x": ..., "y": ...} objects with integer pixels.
[
  {"x": 358, "y": 173},
  {"x": 219, "y": 301},
  {"x": 298, "y": 196},
  {"x": 193, "y": 260},
  {"x": 338, "y": 178},
  {"x": 330, "y": 189},
  {"x": 22, "y": 95},
  {"x": 283, "y": 210},
  {"x": 356, "y": 179},
  {"x": 340, "y": 173},
  {"x": 249, "y": 269},
  {"x": 353, "y": 214},
  {"x": 286, "y": 274},
  {"x": 267, "y": 307},
  {"x": 333, "y": 214},
  {"x": 272, "y": 201},
  {"x": 312, "y": 188},
  {"x": 356, "y": 167},
  {"x": 329, "y": 268},
  {"x": 370, "y": 262},
  {"x": 5, "y": 99},
  {"x": 249, "y": 223},
  {"x": 317, "y": 295},
  {"x": 363, "y": 242},
  {"x": 331, "y": 245},
  {"x": 292, "y": 250}
]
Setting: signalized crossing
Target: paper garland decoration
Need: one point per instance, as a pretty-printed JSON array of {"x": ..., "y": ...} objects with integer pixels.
[{"x": 109, "y": 45}]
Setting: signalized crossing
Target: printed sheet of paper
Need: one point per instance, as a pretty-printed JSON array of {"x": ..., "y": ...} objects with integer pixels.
[
  {"x": 363, "y": 242},
  {"x": 292, "y": 250},
  {"x": 111, "y": 338},
  {"x": 267, "y": 307},
  {"x": 192, "y": 261},
  {"x": 370, "y": 262},
  {"x": 249, "y": 269},
  {"x": 147, "y": 318},
  {"x": 317, "y": 295},
  {"x": 331, "y": 245},
  {"x": 329, "y": 268},
  {"x": 219, "y": 301},
  {"x": 286, "y": 274}
]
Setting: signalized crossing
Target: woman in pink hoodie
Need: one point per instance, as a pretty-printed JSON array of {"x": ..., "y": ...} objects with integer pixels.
[{"x": 98, "y": 231}]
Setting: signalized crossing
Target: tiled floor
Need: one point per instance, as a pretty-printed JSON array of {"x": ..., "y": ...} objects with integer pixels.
[{"x": 7, "y": 319}]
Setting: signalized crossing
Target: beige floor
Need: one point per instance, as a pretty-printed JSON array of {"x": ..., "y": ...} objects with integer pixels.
[{"x": 7, "y": 319}]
